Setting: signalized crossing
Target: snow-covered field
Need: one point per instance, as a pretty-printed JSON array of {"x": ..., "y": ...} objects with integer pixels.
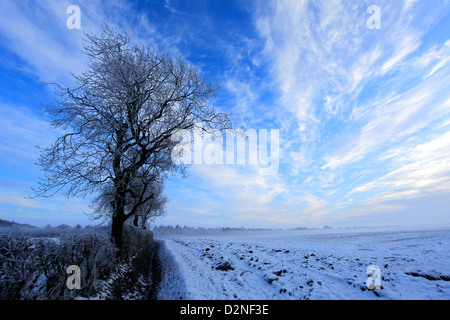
[{"x": 307, "y": 264}]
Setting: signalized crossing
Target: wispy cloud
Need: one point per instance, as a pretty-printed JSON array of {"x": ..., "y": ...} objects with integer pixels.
[
  {"x": 39, "y": 35},
  {"x": 47, "y": 47},
  {"x": 419, "y": 170},
  {"x": 21, "y": 130},
  {"x": 396, "y": 116},
  {"x": 350, "y": 92}
]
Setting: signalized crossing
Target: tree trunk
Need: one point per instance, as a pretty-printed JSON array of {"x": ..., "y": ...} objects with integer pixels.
[
  {"x": 118, "y": 219},
  {"x": 117, "y": 232},
  {"x": 143, "y": 221}
]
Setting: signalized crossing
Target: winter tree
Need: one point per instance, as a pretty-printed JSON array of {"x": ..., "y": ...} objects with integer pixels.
[
  {"x": 152, "y": 198},
  {"x": 118, "y": 121}
]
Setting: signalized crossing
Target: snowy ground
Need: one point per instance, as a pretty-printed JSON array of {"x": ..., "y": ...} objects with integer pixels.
[{"x": 307, "y": 264}]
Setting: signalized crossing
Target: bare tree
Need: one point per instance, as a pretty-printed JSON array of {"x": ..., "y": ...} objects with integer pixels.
[
  {"x": 118, "y": 123},
  {"x": 151, "y": 208}
]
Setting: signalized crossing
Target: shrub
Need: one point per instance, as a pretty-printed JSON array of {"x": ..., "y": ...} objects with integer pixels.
[
  {"x": 136, "y": 241},
  {"x": 35, "y": 267},
  {"x": 134, "y": 280}
]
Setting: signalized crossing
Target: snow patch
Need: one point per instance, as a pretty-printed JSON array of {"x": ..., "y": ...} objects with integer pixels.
[{"x": 306, "y": 265}]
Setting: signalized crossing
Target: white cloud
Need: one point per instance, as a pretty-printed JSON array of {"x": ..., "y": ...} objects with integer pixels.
[
  {"x": 38, "y": 34},
  {"x": 419, "y": 171},
  {"x": 21, "y": 130},
  {"x": 240, "y": 183},
  {"x": 396, "y": 116},
  {"x": 407, "y": 44},
  {"x": 408, "y": 5},
  {"x": 350, "y": 93},
  {"x": 36, "y": 31}
]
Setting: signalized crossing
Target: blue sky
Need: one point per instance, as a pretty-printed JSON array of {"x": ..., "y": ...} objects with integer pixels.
[{"x": 363, "y": 114}]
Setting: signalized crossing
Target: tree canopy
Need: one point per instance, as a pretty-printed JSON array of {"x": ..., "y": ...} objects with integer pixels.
[{"x": 118, "y": 122}]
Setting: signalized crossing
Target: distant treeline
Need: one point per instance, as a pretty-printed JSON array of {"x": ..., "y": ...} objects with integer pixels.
[
  {"x": 159, "y": 231},
  {"x": 12, "y": 224},
  {"x": 14, "y": 227}
]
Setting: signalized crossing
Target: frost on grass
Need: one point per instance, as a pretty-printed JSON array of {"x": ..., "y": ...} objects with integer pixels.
[{"x": 34, "y": 265}]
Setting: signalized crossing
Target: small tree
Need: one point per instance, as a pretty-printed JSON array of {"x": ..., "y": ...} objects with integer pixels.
[
  {"x": 152, "y": 209},
  {"x": 119, "y": 121},
  {"x": 152, "y": 206}
]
